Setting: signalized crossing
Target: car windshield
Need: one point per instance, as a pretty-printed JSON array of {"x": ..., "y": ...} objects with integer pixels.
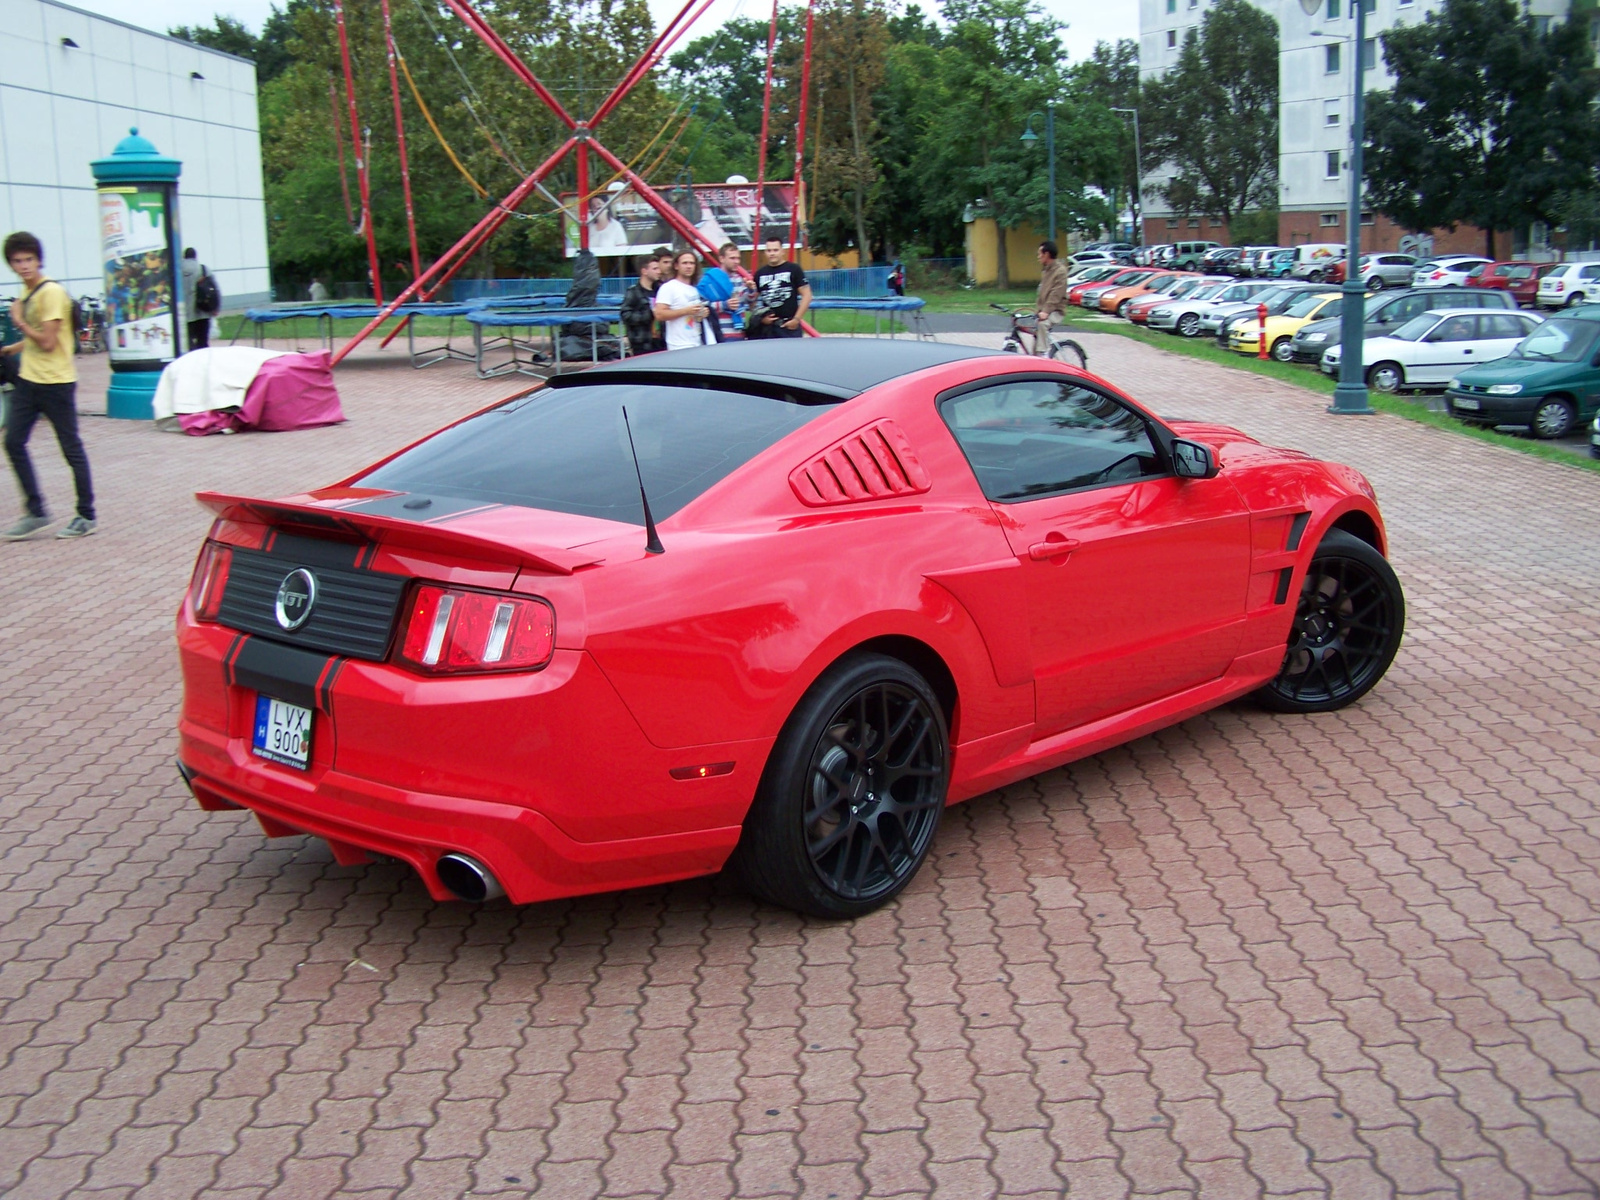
[
  {"x": 1304, "y": 306},
  {"x": 1559, "y": 340},
  {"x": 566, "y": 449},
  {"x": 1209, "y": 291},
  {"x": 1278, "y": 302},
  {"x": 1415, "y": 329},
  {"x": 1181, "y": 288}
]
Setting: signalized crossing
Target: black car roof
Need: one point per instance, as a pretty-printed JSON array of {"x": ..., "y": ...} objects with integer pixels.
[{"x": 841, "y": 368}]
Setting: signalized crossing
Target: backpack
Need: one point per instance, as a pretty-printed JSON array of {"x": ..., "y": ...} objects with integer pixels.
[{"x": 207, "y": 295}]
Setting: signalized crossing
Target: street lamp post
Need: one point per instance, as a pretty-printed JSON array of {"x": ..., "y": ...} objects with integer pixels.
[
  {"x": 1350, "y": 397},
  {"x": 1138, "y": 179},
  {"x": 1028, "y": 135}
]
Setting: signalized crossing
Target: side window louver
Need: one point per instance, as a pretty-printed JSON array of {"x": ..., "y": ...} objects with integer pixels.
[{"x": 875, "y": 463}]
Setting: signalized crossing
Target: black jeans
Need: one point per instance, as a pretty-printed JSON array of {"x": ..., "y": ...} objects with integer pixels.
[
  {"x": 56, "y": 403},
  {"x": 200, "y": 333}
]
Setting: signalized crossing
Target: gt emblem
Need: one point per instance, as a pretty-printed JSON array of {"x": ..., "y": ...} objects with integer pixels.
[{"x": 297, "y": 594}]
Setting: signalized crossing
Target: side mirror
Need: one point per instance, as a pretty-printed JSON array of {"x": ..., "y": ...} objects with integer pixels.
[{"x": 1191, "y": 460}]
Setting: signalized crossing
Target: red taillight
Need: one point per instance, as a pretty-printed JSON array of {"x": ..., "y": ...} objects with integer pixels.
[
  {"x": 450, "y": 630},
  {"x": 210, "y": 580}
]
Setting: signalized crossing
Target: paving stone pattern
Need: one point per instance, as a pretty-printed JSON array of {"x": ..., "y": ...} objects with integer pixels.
[{"x": 1345, "y": 956}]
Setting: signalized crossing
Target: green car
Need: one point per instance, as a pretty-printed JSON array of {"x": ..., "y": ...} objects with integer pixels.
[{"x": 1550, "y": 382}]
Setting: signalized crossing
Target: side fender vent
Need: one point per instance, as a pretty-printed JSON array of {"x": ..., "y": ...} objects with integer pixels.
[{"x": 875, "y": 463}]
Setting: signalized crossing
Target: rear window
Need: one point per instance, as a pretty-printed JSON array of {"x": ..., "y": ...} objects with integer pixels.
[{"x": 566, "y": 449}]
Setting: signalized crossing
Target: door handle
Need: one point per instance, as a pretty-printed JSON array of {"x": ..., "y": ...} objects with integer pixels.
[
  {"x": 1054, "y": 546},
  {"x": 1466, "y": 352}
]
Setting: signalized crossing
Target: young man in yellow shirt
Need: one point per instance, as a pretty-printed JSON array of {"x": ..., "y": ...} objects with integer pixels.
[{"x": 46, "y": 385}]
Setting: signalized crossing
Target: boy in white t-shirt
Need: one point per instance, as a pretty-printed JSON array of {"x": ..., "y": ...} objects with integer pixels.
[{"x": 679, "y": 307}]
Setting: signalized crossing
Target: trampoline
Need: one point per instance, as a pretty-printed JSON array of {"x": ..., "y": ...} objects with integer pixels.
[
  {"x": 915, "y": 323},
  {"x": 323, "y": 315},
  {"x": 502, "y": 315}
]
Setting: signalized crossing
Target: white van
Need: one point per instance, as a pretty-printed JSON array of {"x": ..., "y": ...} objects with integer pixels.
[{"x": 1312, "y": 260}]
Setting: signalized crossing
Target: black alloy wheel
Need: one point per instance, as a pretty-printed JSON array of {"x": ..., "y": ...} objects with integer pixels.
[
  {"x": 1347, "y": 627},
  {"x": 851, "y": 798}
]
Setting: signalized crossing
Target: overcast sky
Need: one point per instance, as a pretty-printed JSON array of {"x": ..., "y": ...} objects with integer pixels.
[{"x": 1089, "y": 21}]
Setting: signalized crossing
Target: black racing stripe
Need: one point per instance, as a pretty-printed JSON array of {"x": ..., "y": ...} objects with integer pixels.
[
  {"x": 409, "y": 506},
  {"x": 325, "y": 684},
  {"x": 1297, "y": 530},
  {"x": 282, "y": 672},
  {"x": 317, "y": 552}
]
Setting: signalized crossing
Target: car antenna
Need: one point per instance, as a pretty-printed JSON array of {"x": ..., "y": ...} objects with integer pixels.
[{"x": 652, "y": 540}]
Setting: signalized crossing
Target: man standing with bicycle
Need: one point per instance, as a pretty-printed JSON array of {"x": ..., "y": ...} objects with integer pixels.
[
  {"x": 47, "y": 385},
  {"x": 1051, "y": 304}
]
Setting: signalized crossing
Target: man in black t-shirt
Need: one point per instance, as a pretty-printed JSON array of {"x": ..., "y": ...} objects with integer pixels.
[{"x": 783, "y": 293}]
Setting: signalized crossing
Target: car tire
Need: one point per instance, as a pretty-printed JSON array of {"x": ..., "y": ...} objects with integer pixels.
[
  {"x": 1122, "y": 309},
  {"x": 1189, "y": 324},
  {"x": 1386, "y": 377},
  {"x": 1553, "y": 417},
  {"x": 850, "y": 800},
  {"x": 1283, "y": 349},
  {"x": 1348, "y": 623},
  {"x": 1375, "y": 284},
  {"x": 1575, "y": 299},
  {"x": 1314, "y": 276}
]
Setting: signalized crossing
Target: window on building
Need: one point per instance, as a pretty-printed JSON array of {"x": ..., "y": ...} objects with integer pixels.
[
  {"x": 1330, "y": 58},
  {"x": 1331, "y": 170},
  {"x": 1194, "y": 222},
  {"x": 1333, "y": 10},
  {"x": 1172, "y": 6},
  {"x": 1172, "y": 222},
  {"x": 1330, "y": 112},
  {"x": 1172, "y": 39},
  {"x": 1369, "y": 54},
  {"x": 1330, "y": 220},
  {"x": 1194, "y": 3},
  {"x": 1368, "y": 219}
]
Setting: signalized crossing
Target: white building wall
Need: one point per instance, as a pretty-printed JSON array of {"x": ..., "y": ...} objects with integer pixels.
[
  {"x": 1314, "y": 102},
  {"x": 63, "y": 106}
]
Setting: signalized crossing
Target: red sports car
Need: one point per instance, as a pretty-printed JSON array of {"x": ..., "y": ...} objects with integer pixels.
[{"x": 768, "y": 605}]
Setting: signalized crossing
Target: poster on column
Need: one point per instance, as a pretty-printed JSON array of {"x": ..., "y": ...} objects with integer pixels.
[
  {"x": 622, "y": 222},
  {"x": 134, "y": 229}
]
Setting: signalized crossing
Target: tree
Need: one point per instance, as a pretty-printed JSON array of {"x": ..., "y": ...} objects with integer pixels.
[
  {"x": 1489, "y": 123},
  {"x": 848, "y": 68},
  {"x": 1214, "y": 117}
]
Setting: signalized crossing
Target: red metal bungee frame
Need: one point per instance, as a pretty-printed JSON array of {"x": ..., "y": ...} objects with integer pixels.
[{"x": 427, "y": 284}]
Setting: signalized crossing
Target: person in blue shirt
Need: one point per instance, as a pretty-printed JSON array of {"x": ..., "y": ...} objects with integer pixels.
[{"x": 723, "y": 289}]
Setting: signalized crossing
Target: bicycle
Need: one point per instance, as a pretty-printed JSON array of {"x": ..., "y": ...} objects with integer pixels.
[
  {"x": 92, "y": 336},
  {"x": 1027, "y": 323}
]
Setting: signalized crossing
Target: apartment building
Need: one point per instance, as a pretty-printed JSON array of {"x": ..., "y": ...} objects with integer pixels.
[{"x": 1316, "y": 73}]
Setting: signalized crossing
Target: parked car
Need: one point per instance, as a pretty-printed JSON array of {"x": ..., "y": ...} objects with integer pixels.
[
  {"x": 1392, "y": 310},
  {"x": 475, "y": 656},
  {"x": 1448, "y": 270},
  {"x": 1186, "y": 256},
  {"x": 1550, "y": 381},
  {"x": 1089, "y": 297},
  {"x": 1245, "y": 266},
  {"x": 1147, "y": 256},
  {"x": 1280, "y": 330},
  {"x": 1219, "y": 259},
  {"x": 1118, "y": 271},
  {"x": 1094, "y": 274},
  {"x": 1262, "y": 291},
  {"x": 1275, "y": 264},
  {"x": 1183, "y": 316},
  {"x": 1519, "y": 279},
  {"x": 1379, "y": 271},
  {"x": 1118, "y": 298},
  {"x": 1277, "y": 299},
  {"x": 1086, "y": 258},
  {"x": 1431, "y": 350},
  {"x": 1594, "y": 437},
  {"x": 1185, "y": 285},
  {"x": 1312, "y": 260},
  {"x": 1567, "y": 284}
]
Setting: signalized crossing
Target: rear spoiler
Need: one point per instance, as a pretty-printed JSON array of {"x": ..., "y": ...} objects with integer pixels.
[{"x": 393, "y": 532}]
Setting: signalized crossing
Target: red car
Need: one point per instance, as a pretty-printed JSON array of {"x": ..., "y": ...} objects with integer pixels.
[
  {"x": 1122, "y": 277},
  {"x": 771, "y": 605},
  {"x": 1521, "y": 279}
]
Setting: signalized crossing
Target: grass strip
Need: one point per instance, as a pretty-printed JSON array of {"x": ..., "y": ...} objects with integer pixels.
[{"x": 1312, "y": 380}]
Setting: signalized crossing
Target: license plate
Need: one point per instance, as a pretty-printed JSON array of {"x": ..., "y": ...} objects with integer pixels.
[
  {"x": 282, "y": 732},
  {"x": 1469, "y": 405}
]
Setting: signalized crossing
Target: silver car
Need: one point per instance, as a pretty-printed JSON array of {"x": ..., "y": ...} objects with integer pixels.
[
  {"x": 1224, "y": 306},
  {"x": 1379, "y": 271},
  {"x": 1184, "y": 316}
]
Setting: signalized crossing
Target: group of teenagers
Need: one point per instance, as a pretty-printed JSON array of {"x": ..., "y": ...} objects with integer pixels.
[{"x": 674, "y": 306}]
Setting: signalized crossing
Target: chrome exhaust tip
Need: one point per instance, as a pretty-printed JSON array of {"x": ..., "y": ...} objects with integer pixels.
[{"x": 468, "y": 879}]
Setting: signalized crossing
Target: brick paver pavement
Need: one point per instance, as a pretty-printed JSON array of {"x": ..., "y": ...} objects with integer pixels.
[{"x": 1345, "y": 956}]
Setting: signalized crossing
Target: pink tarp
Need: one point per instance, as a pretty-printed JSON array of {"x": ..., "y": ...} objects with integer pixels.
[{"x": 291, "y": 391}]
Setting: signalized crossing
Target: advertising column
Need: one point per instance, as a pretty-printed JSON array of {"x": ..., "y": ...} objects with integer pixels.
[{"x": 139, "y": 248}]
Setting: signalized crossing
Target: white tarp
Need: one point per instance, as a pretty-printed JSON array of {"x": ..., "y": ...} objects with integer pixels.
[{"x": 209, "y": 379}]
